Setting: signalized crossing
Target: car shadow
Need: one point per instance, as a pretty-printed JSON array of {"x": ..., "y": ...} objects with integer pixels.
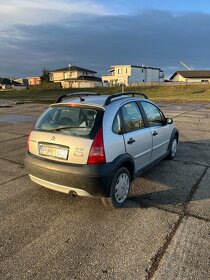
[{"x": 172, "y": 184}]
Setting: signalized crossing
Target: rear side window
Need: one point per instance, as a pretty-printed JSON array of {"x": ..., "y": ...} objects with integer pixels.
[
  {"x": 154, "y": 115},
  {"x": 116, "y": 127},
  {"x": 71, "y": 120}
]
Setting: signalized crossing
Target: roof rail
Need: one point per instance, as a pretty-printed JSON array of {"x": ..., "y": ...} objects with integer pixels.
[
  {"x": 76, "y": 94},
  {"x": 133, "y": 93}
]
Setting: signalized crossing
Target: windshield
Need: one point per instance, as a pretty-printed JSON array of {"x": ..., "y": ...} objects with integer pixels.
[{"x": 78, "y": 121}]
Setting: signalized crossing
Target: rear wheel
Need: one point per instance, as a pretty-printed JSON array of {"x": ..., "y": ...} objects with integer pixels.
[{"x": 119, "y": 189}]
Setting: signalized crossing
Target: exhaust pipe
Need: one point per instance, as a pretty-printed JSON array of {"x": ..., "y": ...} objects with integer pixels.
[{"x": 72, "y": 193}]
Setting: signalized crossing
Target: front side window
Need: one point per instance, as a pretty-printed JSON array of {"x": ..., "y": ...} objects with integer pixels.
[
  {"x": 132, "y": 117},
  {"x": 154, "y": 115},
  {"x": 70, "y": 120}
]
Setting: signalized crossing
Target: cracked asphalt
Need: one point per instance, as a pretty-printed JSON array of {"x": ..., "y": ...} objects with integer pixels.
[{"x": 163, "y": 232}]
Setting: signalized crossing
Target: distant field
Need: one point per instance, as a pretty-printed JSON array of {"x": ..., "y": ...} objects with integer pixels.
[{"x": 171, "y": 93}]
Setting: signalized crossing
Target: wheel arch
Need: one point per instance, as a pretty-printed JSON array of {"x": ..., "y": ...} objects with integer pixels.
[{"x": 126, "y": 161}]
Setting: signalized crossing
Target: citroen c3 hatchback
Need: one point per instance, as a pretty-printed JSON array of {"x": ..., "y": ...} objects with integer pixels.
[{"x": 94, "y": 145}]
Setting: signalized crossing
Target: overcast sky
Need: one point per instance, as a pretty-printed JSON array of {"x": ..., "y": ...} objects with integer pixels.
[{"x": 96, "y": 34}]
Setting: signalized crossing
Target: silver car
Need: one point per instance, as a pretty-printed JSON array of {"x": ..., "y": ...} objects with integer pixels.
[{"x": 94, "y": 145}]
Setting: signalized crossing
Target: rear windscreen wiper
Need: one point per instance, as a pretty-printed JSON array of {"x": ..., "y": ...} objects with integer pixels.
[{"x": 66, "y": 127}]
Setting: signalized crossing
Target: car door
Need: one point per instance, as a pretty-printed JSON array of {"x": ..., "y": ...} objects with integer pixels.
[
  {"x": 137, "y": 137},
  {"x": 159, "y": 129}
]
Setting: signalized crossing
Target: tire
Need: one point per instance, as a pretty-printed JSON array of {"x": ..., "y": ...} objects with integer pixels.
[
  {"x": 119, "y": 190},
  {"x": 173, "y": 148}
]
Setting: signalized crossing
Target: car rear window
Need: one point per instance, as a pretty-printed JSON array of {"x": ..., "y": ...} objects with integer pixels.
[{"x": 71, "y": 120}]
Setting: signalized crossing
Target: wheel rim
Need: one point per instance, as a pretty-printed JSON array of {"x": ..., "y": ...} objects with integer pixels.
[
  {"x": 122, "y": 187},
  {"x": 174, "y": 148}
]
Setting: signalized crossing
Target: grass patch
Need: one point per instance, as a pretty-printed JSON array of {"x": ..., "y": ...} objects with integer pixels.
[{"x": 168, "y": 93}]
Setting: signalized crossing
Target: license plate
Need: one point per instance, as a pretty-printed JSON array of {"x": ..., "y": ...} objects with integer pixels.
[{"x": 51, "y": 151}]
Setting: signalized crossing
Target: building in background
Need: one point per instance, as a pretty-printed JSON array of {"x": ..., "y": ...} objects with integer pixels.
[
  {"x": 132, "y": 74},
  {"x": 75, "y": 77},
  {"x": 191, "y": 76},
  {"x": 20, "y": 81},
  {"x": 29, "y": 81},
  {"x": 6, "y": 83},
  {"x": 32, "y": 81}
]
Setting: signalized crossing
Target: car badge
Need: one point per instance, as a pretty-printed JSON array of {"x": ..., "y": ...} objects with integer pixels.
[{"x": 52, "y": 139}]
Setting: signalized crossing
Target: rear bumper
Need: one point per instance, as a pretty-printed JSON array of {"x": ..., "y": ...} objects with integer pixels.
[
  {"x": 85, "y": 180},
  {"x": 59, "y": 188}
]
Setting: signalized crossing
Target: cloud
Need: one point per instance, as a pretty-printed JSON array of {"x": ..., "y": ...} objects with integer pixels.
[
  {"x": 38, "y": 12},
  {"x": 149, "y": 37}
]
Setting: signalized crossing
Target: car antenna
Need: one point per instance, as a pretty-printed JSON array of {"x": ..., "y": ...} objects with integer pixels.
[{"x": 81, "y": 99}]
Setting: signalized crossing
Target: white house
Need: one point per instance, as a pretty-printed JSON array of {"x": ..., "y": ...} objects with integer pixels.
[
  {"x": 191, "y": 76},
  {"x": 129, "y": 74}
]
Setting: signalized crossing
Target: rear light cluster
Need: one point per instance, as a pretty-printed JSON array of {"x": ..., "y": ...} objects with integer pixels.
[
  {"x": 27, "y": 143},
  {"x": 97, "y": 153}
]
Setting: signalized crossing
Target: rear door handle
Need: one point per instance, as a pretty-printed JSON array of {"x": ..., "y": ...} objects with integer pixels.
[
  {"x": 154, "y": 133},
  {"x": 131, "y": 141}
]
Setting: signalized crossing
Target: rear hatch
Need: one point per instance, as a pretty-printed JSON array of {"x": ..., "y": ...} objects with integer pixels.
[{"x": 65, "y": 133}]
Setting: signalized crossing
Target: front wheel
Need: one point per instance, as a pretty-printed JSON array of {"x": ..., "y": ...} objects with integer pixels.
[
  {"x": 173, "y": 148},
  {"x": 119, "y": 189}
]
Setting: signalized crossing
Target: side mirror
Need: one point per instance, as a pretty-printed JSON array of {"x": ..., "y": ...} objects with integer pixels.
[{"x": 169, "y": 121}]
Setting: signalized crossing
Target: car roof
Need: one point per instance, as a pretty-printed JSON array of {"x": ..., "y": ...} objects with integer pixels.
[{"x": 98, "y": 100}]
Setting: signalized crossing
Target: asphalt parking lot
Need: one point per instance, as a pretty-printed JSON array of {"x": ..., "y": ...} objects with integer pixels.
[{"x": 162, "y": 233}]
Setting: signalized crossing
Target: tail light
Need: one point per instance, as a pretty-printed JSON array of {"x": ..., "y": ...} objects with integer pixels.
[
  {"x": 27, "y": 143},
  {"x": 97, "y": 153}
]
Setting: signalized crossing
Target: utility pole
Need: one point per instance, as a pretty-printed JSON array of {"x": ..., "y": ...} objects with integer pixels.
[{"x": 122, "y": 87}]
